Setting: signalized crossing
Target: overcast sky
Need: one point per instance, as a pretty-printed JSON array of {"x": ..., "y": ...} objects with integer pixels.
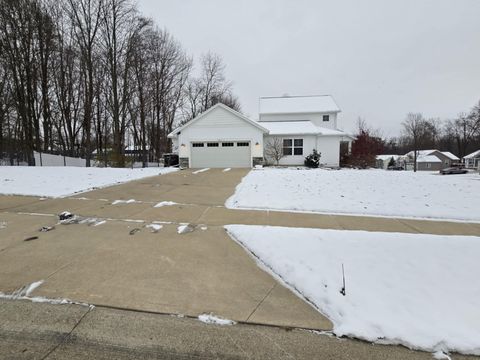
[{"x": 380, "y": 59}]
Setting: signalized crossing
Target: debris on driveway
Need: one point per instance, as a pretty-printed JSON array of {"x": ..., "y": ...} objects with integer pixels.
[
  {"x": 185, "y": 228},
  {"x": 31, "y": 238},
  {"x": 67, "y": 218},
  {"x": 154, "y": 227},
  {"x": 3, "y": 225},
  {"x": 65, "y": 215},
  {"x": 134, "y": 231},
  {"x": 46, "y": 228}
]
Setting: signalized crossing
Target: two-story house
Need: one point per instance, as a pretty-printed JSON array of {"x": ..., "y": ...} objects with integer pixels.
[
  {"x": 222, "y": 137},
  {"x": 303, "y": 123}
]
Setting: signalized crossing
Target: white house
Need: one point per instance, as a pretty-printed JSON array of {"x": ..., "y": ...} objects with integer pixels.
[
  {"x": 222, "y": 137},
  {"x": 472, "y": 161},
  {"x": 382, "y": 161},
  {"x": 303, "y": 123}
]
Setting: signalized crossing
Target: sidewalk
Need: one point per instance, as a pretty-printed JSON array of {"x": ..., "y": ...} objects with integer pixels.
[{"x": 32, "y": 330}]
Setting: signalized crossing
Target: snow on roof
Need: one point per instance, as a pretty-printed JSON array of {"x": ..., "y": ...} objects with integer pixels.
[
  {"x": 450, "y": 155},
  {"x": 420, "y": 153},
  {"x": 298, "y": 104},
  {"x": 387, "y": 157},
  {"x": 428, "y": 158},
  {"x": 472, "y": 155},
  {"x": 297, "y": 128}
]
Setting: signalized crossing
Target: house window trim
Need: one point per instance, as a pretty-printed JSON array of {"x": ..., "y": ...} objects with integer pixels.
[{"x": 292, "y": 147}]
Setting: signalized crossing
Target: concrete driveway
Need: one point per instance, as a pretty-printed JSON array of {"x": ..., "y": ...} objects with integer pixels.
[{"x": 122, "y": 263}]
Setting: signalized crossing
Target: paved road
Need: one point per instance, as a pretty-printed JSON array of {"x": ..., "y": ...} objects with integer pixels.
[
  {"x": 43, "y": 331},
  {"x": 123, "y": 264}
]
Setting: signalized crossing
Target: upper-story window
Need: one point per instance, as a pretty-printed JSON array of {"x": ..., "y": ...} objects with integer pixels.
[{"x": 326, "y": 117}]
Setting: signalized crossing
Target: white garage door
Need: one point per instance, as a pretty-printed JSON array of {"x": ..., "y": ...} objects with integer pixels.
[{"x": 220, "y": 154}]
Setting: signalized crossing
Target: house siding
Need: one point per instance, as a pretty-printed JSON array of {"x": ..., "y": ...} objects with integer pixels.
[
  {"x": 316, "y": 118},
  {"x": 430, "y": 166},
  {"x": 220, "y": 125},
  {"x": 327, "y": 146}
]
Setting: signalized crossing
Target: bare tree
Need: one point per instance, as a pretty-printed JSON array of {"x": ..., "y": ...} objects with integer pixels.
[
  {"x": 414, "y": 127},
  {"x": 86, "y": 17},
  {"x": 89, "y": 76},
  {"x": 210, "y": 88},
  {"x": 464, "y": 130},
  {"x": 120, "y": 23},
  {"x": 274, "y": 149}
]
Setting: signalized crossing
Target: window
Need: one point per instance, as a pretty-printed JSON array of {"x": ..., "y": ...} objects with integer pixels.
[
  {"x": 298, "y": 147},
  {"x": 326, "y": 117},
  {"x": 292, "y": 146},
  {"x": 287, "y": 146},
  {"x": 212, "y": 144},
  {"x": 197, "y": 144},
  {"x": 429, "y": 165},
  {"x": 227, "y": 144},
  {"x": 242, "y": 143}
]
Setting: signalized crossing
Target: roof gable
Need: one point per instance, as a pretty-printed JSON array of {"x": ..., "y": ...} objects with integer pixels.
[
  {"x": 472, "y": 155},
  {"x": 217, "y": 106},
  {"x": 298, "y": 104},
  {"x": 450, "y": 155}
]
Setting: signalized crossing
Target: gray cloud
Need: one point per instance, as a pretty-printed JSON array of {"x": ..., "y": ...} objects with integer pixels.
[{"x": 379, "y": 58}]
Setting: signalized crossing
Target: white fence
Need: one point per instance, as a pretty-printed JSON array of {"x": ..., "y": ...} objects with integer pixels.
[
  {"x": 57, "y": 160},
  {"x": 60, "y": 160}
]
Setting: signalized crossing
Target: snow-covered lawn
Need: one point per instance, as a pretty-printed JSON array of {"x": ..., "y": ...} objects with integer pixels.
[
  {"x": 362, "y": 192},
  {"x": 62, "y": 181},
  {"x": 418, "y": 290}
]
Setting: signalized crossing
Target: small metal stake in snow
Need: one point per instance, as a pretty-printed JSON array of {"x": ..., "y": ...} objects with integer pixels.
[{"x": 343, "y": 292}]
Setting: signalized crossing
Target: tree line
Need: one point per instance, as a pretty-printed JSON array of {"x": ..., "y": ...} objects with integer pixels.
[
  {"x": 459, "y": 136},
  {"x": 92, "y": 78}
]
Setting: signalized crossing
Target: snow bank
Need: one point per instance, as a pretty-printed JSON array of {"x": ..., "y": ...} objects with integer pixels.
[
  {"x": 362, "y": 192},
  {"x": 213, "y": 319},
  {"x": 130, "y": 201},
  {"x": 165, "y": 203},
  {"x": 64, "y": 181},
  {"x": 24, "y": 294},
  {"x": 200, "y": 171},
  {"x": 418, "y": 290}
]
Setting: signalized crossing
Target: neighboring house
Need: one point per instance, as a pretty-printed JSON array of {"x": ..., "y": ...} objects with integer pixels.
[
  {"x": 222, "y": 137},
  {"x": 432, "y": 160},
  {"x": 472, "y": 161},
  {"x": 382, "y": 161},
  {"x": 429, "y": 163}
]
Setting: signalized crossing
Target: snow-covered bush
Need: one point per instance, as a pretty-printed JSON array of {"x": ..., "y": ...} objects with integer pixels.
[{"x": 313, "y": 160}]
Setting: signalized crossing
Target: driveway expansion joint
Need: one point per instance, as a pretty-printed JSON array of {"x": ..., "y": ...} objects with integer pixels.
[
  {"x": 65, "y": 338},
  {"x": 261, "y": 301}
]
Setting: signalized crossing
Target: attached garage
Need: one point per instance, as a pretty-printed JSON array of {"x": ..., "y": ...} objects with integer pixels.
[
  {"x": 219, "y": 138},
  {"x": 221, "y": 154}
]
